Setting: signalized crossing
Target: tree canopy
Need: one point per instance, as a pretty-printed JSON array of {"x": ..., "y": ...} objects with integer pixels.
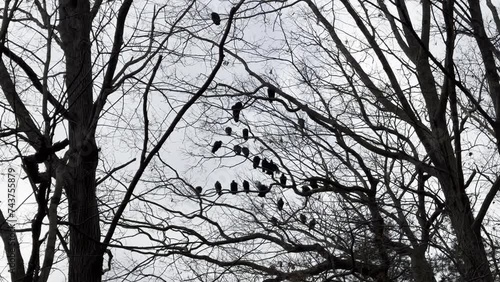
[{"x": 252, "y": 140}]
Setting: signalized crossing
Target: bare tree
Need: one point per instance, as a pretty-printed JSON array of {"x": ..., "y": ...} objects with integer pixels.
[
  {"x": 370, "y": 154},
  {"x": 68, "y": 70},
  {"x": 389, "y": 110}
]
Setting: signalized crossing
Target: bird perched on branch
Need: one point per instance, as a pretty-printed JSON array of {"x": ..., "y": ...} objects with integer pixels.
[
  {"x": 218, "y": 188},
  {"x": 245, "y": 134},
  {"x": 280, "y": 204},
  {"x": 265, "y": 165},
  {"x": 263, "y": 189},
  {"x": 217, "y": 145},
  {"x": 246, "y": 186},
  {"x": 215, "y": 18},
  {"x": 283, "y": 180},
  {"x": 234, "y": 187},
  {"x": 237, "y": 149},
  {"x": 303, "y": 218},
  {"x": 198, "y": 190},
  {"x": 236, "y": 111},
  {"x": 272, "y": 168},
  {"x": 271, "y": 93},
  {"x": 256, "y": 161},
  {"x": 245, "y": 151},
  {"x": 312, "y": 224}
]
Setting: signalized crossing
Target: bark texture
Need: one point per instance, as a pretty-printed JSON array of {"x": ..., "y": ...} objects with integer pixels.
[{"x": 85, "y": 260}]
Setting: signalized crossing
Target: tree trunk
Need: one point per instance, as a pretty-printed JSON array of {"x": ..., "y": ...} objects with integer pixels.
[
  {"x": 471, "y": 252},
  {"x": 85, "y": 258},
  {"x": 421, "y": 269},
  {"x": 472, "y": 257}
]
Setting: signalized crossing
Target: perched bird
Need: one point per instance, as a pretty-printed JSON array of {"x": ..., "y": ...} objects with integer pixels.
[
  {"x": 236, "y": 111},
  {"x": 245, "y": 151},
  {"x": 237, "y": 149},
  {"x": 303, "y": 218},
  {"x": 245, "y": 134},
  {"x": 280, "y": 204},
  {"x": 265, "y": 165},
  {"x": 234, "y": 187},
  {"x": 283, "y": 180},
  {"x": 216, "y": 146},
  {"x": 215, "y": 18},
  {"x": 314, "y": 184},
  {"x": 272, "y": 168},
  {"x": 305, "y": 189},
  {"x": 228, "y": 130},
  {"x": 271, "y": 93},
  {"x": 218, "y": 188},
  {"x": 274, "y": 221},
  {"x": 198, "y": 190},
  {"x": 263, "y": 190},
  {"x": 312, "y": 224},
  {"x": 256, "y": 161},
  {"x": 246, "y": 186}
]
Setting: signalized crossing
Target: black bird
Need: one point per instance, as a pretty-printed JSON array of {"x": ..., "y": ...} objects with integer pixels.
[
  {"x": 314, "y": 184},
  {"x": 236, "y": 111},
  {"x": 303, "y": 218},
  {"x": 305, "y": 189},
  {"x": 271, "y": 93},
  {"x": 256, "y": 161},
  {"x": 280, "y": 204},
  {"x": 272, "y": 168},
  {"x": 312, "y": 224},
  {"x": 265, "y": 165},
  {"x": 218, "y": 188},
  {"x": 216, "y": 146},
  {"x": 229, "y": 130},
  {"x": 245, "y": 134},
  {"x": 198, "y": 190},
  {"x": 215, "y": 18},
  {"x": 274, "y": 221},
  {"x": 245, "y": 151},
  {"x": 262, "y": 190},
  {"x": 283, "y": 180},
  {"x": 237, "y": 149},
  {"x": 246, "y": 186},
  {"x": 234, "y": 187}
]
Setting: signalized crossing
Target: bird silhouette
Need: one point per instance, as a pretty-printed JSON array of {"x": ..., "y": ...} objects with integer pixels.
[
  {"x": 218, "y": 188},
  {"x": 215, "y": 18},
  {"x": 280, "y": 204},
  {"x": 234, "y": 187},
  {"x": 283, "y": 180},
  {"x": 217, "y": 145},
  {"x": 236, "y": 111}
]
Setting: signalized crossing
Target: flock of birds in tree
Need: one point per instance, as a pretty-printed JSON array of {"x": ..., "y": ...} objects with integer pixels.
[{"x": 267, "y": 166}]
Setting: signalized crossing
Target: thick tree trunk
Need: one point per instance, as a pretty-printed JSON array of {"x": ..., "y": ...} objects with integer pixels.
[
  {"x": 471, "y": 251},
  {"x": 85, "y": 260},
  {"x": 421, "y": 269},
  {"x": 472, "y": 257},
  {"x": 12, "y": 250}
]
